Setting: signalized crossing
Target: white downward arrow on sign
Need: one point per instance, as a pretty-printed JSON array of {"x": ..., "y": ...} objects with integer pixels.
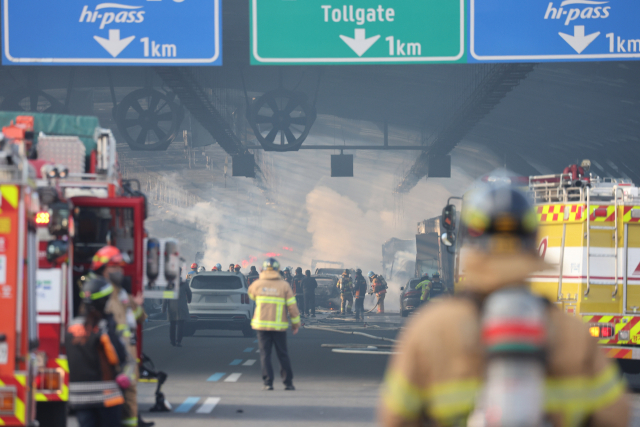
[
  {"x": 578, "y": 41},
  {"x": 114, "y": 45},
  {"x": 360, "y": 44}
]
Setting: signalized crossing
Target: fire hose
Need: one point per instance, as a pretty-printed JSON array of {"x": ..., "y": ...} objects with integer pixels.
[{"x": 351, "y": 333}]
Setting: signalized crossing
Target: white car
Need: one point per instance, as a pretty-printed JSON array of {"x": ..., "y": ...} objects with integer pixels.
[{"x": 220, "y": 301}]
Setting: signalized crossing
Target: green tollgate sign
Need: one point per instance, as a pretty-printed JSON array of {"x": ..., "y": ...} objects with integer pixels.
[{"x": 357, "y": 31}]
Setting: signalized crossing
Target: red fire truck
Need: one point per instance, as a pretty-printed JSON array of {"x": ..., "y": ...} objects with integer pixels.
[{"x": 84, "y": 205}]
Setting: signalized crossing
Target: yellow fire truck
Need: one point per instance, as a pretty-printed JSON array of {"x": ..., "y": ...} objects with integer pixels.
[{"x": 589, "y": 236}]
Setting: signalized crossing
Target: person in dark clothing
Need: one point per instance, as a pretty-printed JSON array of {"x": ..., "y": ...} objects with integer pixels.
[
  {"x": 298, "y": 290},
  {"x": 309, "y": 285},
  {"x": 359, "y": 290},
  {"x": 253, "y": 275},
  {"x": 96, "y": 356},
  {"x": 177, "y": 313}
]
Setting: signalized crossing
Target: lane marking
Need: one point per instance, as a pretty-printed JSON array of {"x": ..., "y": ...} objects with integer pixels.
[
  {"x": 217, "y": 376},
  {"x": 249, "y": 362},
  {"x": 248, "y": 349},
  {"x": 233, "y": 377},
  {"x": 235, "y": 362},
  {"x": 208, "y": 405},
  {"x": 154, "y": 327},
  {"x": 189, "y": 403}
]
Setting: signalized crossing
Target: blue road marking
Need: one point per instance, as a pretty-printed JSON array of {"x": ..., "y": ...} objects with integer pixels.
[
  {"x": 235, "y": 362},
  {"x": 248, "y": 349},
  {"x": 186, "y": 406},
  {"x": 217, "y": 376}
]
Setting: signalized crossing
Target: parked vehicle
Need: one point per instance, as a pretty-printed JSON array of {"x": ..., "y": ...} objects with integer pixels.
[
  {"x": 327, "y": 294},
  {"x": 220, "y": 301},
  {"x": 409, "y": 297}
]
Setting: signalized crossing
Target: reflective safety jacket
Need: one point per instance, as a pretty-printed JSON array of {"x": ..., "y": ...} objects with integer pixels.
[
  {"x": 274, "y": 301},
  {"x": 345, "y": 284},
  {"x": 425, "y": 288},
  {"x": 438, "y": 369}
]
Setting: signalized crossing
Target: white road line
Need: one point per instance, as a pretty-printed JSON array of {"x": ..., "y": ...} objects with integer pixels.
[
  {"x": 233, "y": 377},
  {"x": 249, "y": 362},
  {"x": 208, "y": 405},
  {"x": 154, "y": 327}
]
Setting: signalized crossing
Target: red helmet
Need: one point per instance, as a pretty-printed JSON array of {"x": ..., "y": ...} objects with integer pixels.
[
  {"x": 214, "y": 268},
  {"x": 194, "y": 265},
  {"x": 237, "y": 266},
  {"x": 109, "y": 256}
]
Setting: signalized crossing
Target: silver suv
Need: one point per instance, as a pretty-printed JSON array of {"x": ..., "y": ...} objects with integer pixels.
[{"x": 220, "y": 301}]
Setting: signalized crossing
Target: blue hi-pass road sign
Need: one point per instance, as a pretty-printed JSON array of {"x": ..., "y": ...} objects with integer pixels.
[
  {"x": 553, "y": 30},
  {"x": 111, "y": 32}
]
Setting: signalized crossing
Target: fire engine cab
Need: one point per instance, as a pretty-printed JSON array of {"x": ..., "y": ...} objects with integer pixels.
[{"x": 69, "y": 165}]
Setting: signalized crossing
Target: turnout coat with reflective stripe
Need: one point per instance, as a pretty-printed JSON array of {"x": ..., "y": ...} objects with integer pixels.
[
  {"x": 438, "y": 370},
  {"x": 274, "y": 301}
]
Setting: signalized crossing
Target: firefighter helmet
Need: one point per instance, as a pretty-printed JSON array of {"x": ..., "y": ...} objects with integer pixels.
[
  {"x": 371, "y": 274},
  {"x": 219, "y": 267},
  {"x": 108, "y": 256},
  {"x": 194, "y": 265},
  {"x": 436, "y": 275},
  {"x": 358, "y": 271},
  {"x": 237, "y": 267},
  {"x": 271, "y": 264},
  {"x": 96, "y": 292},
  {"x": 299, "y": 270},
  {"x": 215, "y": 268},
  {"x": 501, "y": 219}
]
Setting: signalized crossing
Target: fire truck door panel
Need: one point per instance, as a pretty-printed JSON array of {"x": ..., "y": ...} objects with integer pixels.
[
  {"x": 8, "y": 281},
  {"x": 600, "y": 300}
]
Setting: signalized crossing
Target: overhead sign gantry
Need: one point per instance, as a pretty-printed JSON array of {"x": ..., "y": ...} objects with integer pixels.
[{"x": 122, "y": 32}]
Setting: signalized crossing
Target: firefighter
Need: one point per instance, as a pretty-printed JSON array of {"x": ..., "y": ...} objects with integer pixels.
[
  {"x": 360, "y": 290},
  {"x": 298, "y": 290},
  {"x": 345, "y": 284},
  {"x": 128, "y": 313},
  {"x": 425, "y": 288},
  {"x": 237, "y": 268},
  {"x": 97, "y": 359},
  {"x": 553, "y": 360},
  {"x": 253, "y": 275},
  {"x": 379, "y": 288},
  {"x": 274, "y": 302},
  {"x": 309, "y": 284},
  {"x": 193, "y": 272}
]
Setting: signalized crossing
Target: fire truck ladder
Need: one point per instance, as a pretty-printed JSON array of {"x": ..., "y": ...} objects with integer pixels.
[{"x": 590, "y": 255}]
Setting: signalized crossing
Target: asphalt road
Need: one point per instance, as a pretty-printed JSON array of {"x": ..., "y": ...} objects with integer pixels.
[{"x": 216, "y": 375}]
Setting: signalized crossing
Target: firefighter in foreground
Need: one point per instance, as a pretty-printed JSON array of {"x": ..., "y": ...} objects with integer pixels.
[
  {"x": 96, "y": 359},
  {"x": 127, "y": 311},
  {"x": 425, "y": 288},
  {"x": 498, "y": 355},
  {"x": 274, "y": 302}
]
